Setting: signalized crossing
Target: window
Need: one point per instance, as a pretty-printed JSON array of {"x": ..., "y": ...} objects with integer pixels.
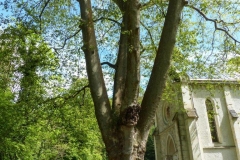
[
  {"x": 211, "y": 120},
  {"x": 166, "y": 114},
  {"x": 171, "y": 150}
]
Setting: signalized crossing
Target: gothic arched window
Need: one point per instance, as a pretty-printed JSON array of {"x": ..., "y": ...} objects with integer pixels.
[
  {"x": 171, "y": 150},
  {"x": 211, "y": 120}
]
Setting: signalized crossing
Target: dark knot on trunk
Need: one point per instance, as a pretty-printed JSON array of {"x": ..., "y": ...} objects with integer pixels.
[{"x": 130, "y": 115}]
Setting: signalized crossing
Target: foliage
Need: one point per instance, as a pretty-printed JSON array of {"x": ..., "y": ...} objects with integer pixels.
[
  {"x": 150, "y": 152},
  {"x": 35, "y": 125}
]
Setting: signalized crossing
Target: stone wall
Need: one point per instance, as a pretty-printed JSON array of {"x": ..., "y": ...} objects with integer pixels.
[{"x": 187, "y": 123}]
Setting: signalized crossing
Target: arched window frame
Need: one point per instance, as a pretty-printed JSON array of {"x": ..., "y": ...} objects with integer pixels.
[
  {"x": 213, "y": 125},
  {"x": 170, "y": 156}
]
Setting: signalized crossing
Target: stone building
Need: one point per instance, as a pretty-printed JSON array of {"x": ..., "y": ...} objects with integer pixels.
[{"x": 199, "y": 120}]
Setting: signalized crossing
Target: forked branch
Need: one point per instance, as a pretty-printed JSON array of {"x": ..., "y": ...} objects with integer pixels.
[
  {"x": 215, "y": 21},
  {"x": 67, "y": 38},
  {"x": 66, "y": 97}
]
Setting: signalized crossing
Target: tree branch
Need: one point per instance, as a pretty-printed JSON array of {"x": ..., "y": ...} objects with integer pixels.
[
  {"x": 156, "y": 85},
  {"x": 95, "y": 74},
  {"x": 126, "y": 80},
  {"x": 215, "y": 21},
  {"x": 66, "y": 97},
  {"x": 77, "y": 92},
  {"x": 121, "y": 69},
  {"x": 110, "y": 19},
  {"x": 150, "y": 35},
  {"x": 109, "y": 64},
  {"x": 131, "y": 19},
  {"x": 40, "y": 15},
  {"x": 69, "y": 37}
]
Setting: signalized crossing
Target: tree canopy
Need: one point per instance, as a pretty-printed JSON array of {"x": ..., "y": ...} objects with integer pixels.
[
  {"x": 37, "y": 118},
  {"x": 129, "y": 48}
]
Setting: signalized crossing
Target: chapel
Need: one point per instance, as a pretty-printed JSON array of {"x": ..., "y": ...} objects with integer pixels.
[{"x": 199, "y": 120}]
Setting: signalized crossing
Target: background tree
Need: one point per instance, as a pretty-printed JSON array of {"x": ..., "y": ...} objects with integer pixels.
[
  {"x": 36, "y": 125},
  {"x": 150, "y": 150},
  {"x": 128, "y": 38}
]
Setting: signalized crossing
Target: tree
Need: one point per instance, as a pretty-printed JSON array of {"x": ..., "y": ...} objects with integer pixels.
[
  {"x": 150, "y": 151},
  {"x": 34, "y": 125},
  {"x": 124, "y": 123},
  {"x": 126, "y": 137}
]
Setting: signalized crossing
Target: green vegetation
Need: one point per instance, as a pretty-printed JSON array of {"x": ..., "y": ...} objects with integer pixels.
[{"x": 36, "y": 124}]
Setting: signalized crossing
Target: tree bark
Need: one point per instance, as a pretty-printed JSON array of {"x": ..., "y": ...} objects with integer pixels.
[
  {"x": 127, "y": 78},
  {"x": 127, "y": 75},
  {"x": 121, "y": 72},
  {"x": 156, "y": 85},
  {"x": 94, "y": 72}
]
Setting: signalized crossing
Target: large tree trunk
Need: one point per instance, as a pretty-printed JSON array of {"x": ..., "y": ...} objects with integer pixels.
[{"x": 124, "y": 131}]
